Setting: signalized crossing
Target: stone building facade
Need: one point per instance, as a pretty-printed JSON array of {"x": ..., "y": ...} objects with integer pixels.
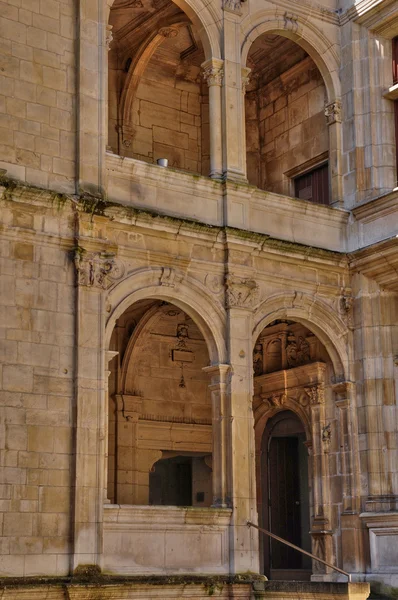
[{"x": 186, "y": 349}]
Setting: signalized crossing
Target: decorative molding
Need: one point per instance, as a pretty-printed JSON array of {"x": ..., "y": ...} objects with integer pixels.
[
  {"x": 97, "y": 269},
  {"x": 241, "y": 293},
  {"x": 333, "y": 112}
]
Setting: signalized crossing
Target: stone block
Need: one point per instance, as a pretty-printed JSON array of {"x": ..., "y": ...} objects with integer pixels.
[
  {"x": 17, "y": 378},
  {"x": 17, "y": 524}
]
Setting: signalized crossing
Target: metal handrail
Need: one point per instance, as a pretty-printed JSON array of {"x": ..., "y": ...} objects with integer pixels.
[{"x": 276, "y": 537}]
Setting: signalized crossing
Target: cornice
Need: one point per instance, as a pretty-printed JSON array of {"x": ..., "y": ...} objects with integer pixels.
[
  {"x": 306, "y": 9},
  {"x": 373, "y": 14},
  {"x": 379, "y": 262}
]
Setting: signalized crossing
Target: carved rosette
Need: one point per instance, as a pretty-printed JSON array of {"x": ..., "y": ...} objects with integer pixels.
[
  {"x": 241, "y": 293},
  {"x": 333, "y": 112},
  {"x": 168, "y": 32},
  {"x": 97, "y": 269}
]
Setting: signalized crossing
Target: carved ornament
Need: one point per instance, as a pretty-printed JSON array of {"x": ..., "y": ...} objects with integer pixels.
[
  {"x": 168, "y": 32},
  {"x": 233, "y": 5},
  {"x": 214, "y": 283},
  {"x": 169, "y": 277},
  {"x": 333, "y": 112},
  {"x": 97, "y": 269},
  {"x": 315, "y": 394},
  {"x": 241, "y": 293},
  {"x": 291, "y": 21},
  {"x": 297, "y": 352},
  {"x": 108, "y": 36},
  {"x": 213, "y": 75},
  {"x": 346, "y": 302}
]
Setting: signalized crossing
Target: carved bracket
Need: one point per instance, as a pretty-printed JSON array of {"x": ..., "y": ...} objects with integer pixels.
[
  {"x": 97, "y": 269},
  {"x": 241, "y": 293}
]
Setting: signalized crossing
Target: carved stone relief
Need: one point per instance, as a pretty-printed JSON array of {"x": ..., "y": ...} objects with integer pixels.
[
  {"x": 241, "y": 293},
  {"x": 169, "y": 277},
  {"x": 333, "y": 112},
  {"x": 97, "y": 269}
]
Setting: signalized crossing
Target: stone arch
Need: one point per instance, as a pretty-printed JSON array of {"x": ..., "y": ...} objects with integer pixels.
[
  {"x": 305, "y": 34},
  {"x": 317, "y": 317},
  {"x": 187, "y": 294},
  {"x": 263, "y": 414},
  {"x": 205, "y": 18}
]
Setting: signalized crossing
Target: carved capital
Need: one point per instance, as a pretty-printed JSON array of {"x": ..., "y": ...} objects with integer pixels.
[
  {"x": 108, "y": 36},
  {"x": 316, "y": 394},
  {"x": 241, "y": 293},
  {"x": 213, "y": 72},
  {"x": 97, "y": 269},
  {"x": 245, "y": 74},
  {"x": 333, "y": 112}
]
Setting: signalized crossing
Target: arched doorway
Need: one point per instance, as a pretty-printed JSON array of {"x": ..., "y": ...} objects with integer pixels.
[
  {"x": 285, "y": 508},
  {"x": 294, "y": 420}
]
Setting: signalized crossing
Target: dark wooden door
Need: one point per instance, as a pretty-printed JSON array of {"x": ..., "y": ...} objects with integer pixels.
[{"x": 284, "y": 501}]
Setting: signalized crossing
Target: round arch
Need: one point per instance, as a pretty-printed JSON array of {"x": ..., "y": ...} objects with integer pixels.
[
  {"x": 205, "y": 18},
  {"x": 303, "y": 33},
  {"x": 263, "y": 414},
  {"x": 185, "y": 293},
  {"x": 317, "y": 317}
]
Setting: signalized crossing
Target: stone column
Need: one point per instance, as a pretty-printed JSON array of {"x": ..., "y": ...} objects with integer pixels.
[
  {"x": 213, "y": 74},
  {"x": 333, "y": 119},
  {"x": 234, "y": 153},
  {"x": 218, "y": 388},
  {"x": 94, "y": 270},
  {"x": 242, "y": 295}
]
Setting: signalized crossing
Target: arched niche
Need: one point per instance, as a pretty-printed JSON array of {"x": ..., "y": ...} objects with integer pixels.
[{"x": 160, "y": 409}]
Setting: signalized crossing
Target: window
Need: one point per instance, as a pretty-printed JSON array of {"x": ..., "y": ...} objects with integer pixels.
[{"x": 313, "y": 185}]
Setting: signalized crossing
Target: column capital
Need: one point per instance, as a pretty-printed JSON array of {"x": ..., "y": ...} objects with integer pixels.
[
  {"x": 218, "y": 372},
  {"x": 213, "y": 71},
  {"x": 245, "y": 77},
  {"x": 333, "y": 112}
]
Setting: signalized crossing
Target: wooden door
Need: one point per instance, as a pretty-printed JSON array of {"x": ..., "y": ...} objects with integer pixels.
[{"x": 284, "y": 501}]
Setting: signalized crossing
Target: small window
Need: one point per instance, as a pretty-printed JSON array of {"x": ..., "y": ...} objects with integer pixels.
[{"x": 313, "y": 185}]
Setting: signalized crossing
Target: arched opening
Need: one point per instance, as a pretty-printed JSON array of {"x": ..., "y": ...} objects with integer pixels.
[
  {"x": 285, "y": 486},
  {"x": 158, "y": 100},
  {"x": 160, "y": 409},
  {"x": 294, "y": 418},
  {"x": 287, "y": 138}
]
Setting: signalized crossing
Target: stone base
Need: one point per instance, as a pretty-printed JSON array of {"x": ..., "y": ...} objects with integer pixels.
[
  {"x": 302, "y": 590},
  {"x": 180, "y": 589}
]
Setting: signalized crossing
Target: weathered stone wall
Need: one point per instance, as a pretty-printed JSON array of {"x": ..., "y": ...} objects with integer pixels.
[
  {"x": 37, "y": 400},
  {"x": 286, "y": 127},
  {"x": 38, "y": 87}
]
